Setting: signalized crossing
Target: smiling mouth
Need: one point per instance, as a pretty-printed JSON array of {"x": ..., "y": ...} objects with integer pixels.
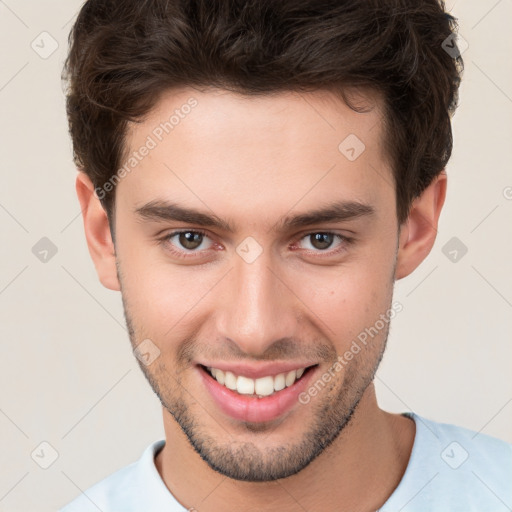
[{"x": 261, "y": 387}]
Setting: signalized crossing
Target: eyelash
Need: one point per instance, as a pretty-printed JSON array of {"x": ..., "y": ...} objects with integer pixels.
[{"x": 186, "y": 254}]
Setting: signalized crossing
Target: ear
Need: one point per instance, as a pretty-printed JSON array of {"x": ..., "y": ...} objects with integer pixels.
[
  {"x": 418, "y": 232},
  {"x": 97, "y": 233}
]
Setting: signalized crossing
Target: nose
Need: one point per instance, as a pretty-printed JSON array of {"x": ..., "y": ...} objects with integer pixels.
[{"x": 259, "y": 308}]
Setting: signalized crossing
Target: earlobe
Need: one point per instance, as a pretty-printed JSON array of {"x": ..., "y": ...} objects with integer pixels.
[
  {"x": 97, "y": 232},
  {"x": 418, "y": 232}
]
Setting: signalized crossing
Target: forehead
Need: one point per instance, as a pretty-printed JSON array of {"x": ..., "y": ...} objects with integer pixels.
[{"x": 257, "y": 154}]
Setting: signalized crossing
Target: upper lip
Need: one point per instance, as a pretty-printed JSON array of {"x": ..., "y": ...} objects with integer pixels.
[{"x": 255, "y": 371}]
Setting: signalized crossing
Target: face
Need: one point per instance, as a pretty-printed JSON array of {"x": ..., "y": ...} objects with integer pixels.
[{"x": 233, "y": 278}]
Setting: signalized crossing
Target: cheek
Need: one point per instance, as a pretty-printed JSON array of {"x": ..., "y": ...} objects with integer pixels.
[
  {"x": 159, "y": 300},
  {"x": 348, "y": 299},
  {"x": 148, "y": 290},
  {"x": 164, "y": 299}
]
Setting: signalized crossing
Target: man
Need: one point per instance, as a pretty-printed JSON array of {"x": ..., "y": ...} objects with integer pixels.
[{"x": 254, "y": 177}]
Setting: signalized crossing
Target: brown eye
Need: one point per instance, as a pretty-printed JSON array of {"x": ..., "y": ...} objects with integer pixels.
[
  {"x": 187, "y": 243},
  {"x": 190, "y": 239},
  {"x": 322, "y": 243},
  {"x": 321, "y": 240}
]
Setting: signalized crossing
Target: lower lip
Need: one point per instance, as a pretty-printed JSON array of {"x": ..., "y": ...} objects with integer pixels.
[{"x": 251, "y": 408}]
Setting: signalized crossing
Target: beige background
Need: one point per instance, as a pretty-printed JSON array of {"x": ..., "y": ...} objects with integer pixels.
[{"x": 67, "y": 374}]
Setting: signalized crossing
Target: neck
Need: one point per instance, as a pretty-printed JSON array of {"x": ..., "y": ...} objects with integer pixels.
[{"x": 359, "y": 470}]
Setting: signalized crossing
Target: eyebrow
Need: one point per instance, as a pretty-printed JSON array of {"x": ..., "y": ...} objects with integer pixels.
[{"x": 159, "y": 210}]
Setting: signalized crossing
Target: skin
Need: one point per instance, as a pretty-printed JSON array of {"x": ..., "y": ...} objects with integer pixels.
[{"x": 252, "y": 161}]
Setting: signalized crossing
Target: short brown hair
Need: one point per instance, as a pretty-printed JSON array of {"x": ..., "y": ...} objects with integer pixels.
[{"x": 125, "y": 53}]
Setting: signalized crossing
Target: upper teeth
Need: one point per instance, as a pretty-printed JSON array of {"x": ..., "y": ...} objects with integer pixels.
[{"x": 264, "y": 386}]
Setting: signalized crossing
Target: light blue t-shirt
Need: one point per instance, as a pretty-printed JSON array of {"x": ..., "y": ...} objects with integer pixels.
[{"x": 451, "y": 469}]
